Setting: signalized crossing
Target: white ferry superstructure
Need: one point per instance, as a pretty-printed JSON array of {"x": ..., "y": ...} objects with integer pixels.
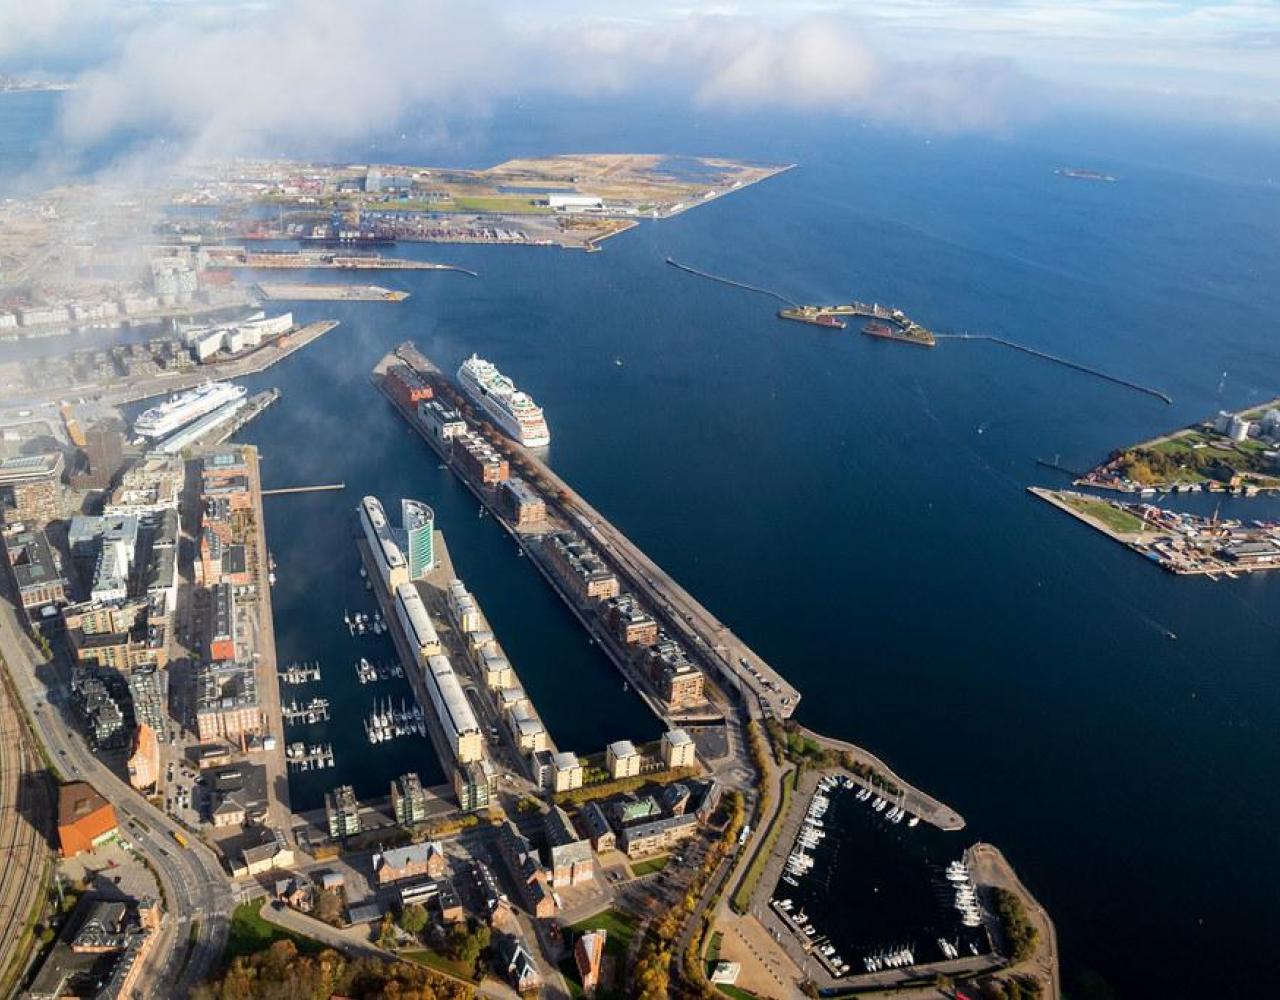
[
  {"x": 178, "y": 411},
  {"x": 515, "y": 412}
]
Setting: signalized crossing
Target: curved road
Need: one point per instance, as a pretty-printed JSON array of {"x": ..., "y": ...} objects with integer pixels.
[{"x": 198, "y": 894}]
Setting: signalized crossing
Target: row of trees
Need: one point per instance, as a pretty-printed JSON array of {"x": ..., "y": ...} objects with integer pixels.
[
  {"x": 791, "y": 743},
  {"x": 281, "y": 972},
  {"x": 1012, "y": 988},
  {"x": 605, "y": 789},
  {"x": 1020, "y": 934},
  {"x": 651, "y": 975}
]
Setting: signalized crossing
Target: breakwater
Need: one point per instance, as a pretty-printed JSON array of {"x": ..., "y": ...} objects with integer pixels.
[
  {"x": 1097, "y": 373},
  {"x": 734, "y": 284}
]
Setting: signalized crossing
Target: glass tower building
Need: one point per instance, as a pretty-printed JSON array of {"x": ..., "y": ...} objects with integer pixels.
[{"x": 419, "y": 523}]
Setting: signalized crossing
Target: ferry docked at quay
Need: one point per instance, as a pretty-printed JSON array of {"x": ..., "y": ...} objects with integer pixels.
[
  {"x": 515, "y": 412},
  {"x": 180, "y": 410}
]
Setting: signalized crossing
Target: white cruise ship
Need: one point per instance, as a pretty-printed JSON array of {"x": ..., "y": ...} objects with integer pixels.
[
  {"x": 180, "y": 410},
  {"x": 512, "y": 410}
]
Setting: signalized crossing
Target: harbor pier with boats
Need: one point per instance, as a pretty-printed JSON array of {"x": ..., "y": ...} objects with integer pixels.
[{"x": 941, "y": 924}]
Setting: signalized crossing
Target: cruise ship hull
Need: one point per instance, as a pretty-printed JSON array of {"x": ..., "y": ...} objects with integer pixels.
[
  {"x": 531, "y": 435},
  {"x": 161, "y": 421}
]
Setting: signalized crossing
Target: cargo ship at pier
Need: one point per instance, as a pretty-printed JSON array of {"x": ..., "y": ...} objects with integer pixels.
[
  {"x": 180, "y": 410},
  {"x": 515, "y": 412},
  {"x": 807, "y": 314}
]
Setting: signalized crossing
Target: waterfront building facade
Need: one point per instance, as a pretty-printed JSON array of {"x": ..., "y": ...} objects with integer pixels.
[
  {"x": 581, "y": 569},
  {"x": 227, "y": 705},
  {"x": 680, "y": 684},
  {"x": 461, "y": 730},
  {"x": 419, "y": 632},
  {"x": 522, "y": 504},
  {"x": 622, "y": 760},
  {"x": 419, "y": 528},
  {"x": 678, "y": 749},
  {"x": 408, "y": 799},
  {"x": 407, "y": 386},
  {"x": 475, "y": 785},
  {"x": 629, "y": 622},
  {"x": 342, "y": 811},
  {"x": 480, "y": 460},
  {"x": 566, "y": 772},
  {"x": 441, "y": 421},
  {"x": 387, "y": 557}
]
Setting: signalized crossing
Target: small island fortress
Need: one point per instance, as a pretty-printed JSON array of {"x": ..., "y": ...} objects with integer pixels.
[{"x": 885, "y": 322}]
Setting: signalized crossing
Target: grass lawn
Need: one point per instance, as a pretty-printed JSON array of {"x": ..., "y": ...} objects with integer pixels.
[
  {"x": 250, "y": 933},
  {"x": 742, "y": 898},
  {"x": 510, "y": 205},
  {"x": 713, "y": 948},
  {"x": 434, "y": 960},
  {"x": 1113, "y": 517},
  {"x": 621, "y": 929},
  {"x": 651, "y": 866},
  {"x": 735, "y": 992}
]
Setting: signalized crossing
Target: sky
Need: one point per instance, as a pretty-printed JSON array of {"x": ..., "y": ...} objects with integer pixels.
[{"x": 225, "y": 75}]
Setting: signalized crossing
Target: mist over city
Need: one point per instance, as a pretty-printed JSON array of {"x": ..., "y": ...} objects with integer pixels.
[{"x": 638, "y": 500}]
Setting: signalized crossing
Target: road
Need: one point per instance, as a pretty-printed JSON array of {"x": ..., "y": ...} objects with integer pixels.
[{"x": 197, "y": 892}]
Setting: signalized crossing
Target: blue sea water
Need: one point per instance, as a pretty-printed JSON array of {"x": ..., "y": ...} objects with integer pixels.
[{"x": 857, "y": 509}]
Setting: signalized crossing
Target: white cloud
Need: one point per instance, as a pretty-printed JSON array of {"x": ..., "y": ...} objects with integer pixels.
[{"x": 226, "y": 77}]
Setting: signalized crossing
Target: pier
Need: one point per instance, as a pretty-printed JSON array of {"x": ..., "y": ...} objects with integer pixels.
[
  {"x": 266, "y": 670},
  {"x": 301, "y": 673},
  {"x": 308, "y": 292},
  {"x": 734, "y": 284},
  {"x": 729, "y": 662},
  {"x": 1035, "y": 353},
  {"x": 286, "y": 490},
  {"x": 256, "y": 404},
  {"x": 301, "y": 757},
  {"x": 228, "y": 257},
  {"x": 316, "y": 710}
]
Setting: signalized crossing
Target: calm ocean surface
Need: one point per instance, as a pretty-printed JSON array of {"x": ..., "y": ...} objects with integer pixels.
[{"x": 856, "y": 509}]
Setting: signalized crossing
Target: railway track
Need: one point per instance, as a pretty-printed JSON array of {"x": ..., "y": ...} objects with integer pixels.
[{"x": 24, "y": 852}]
